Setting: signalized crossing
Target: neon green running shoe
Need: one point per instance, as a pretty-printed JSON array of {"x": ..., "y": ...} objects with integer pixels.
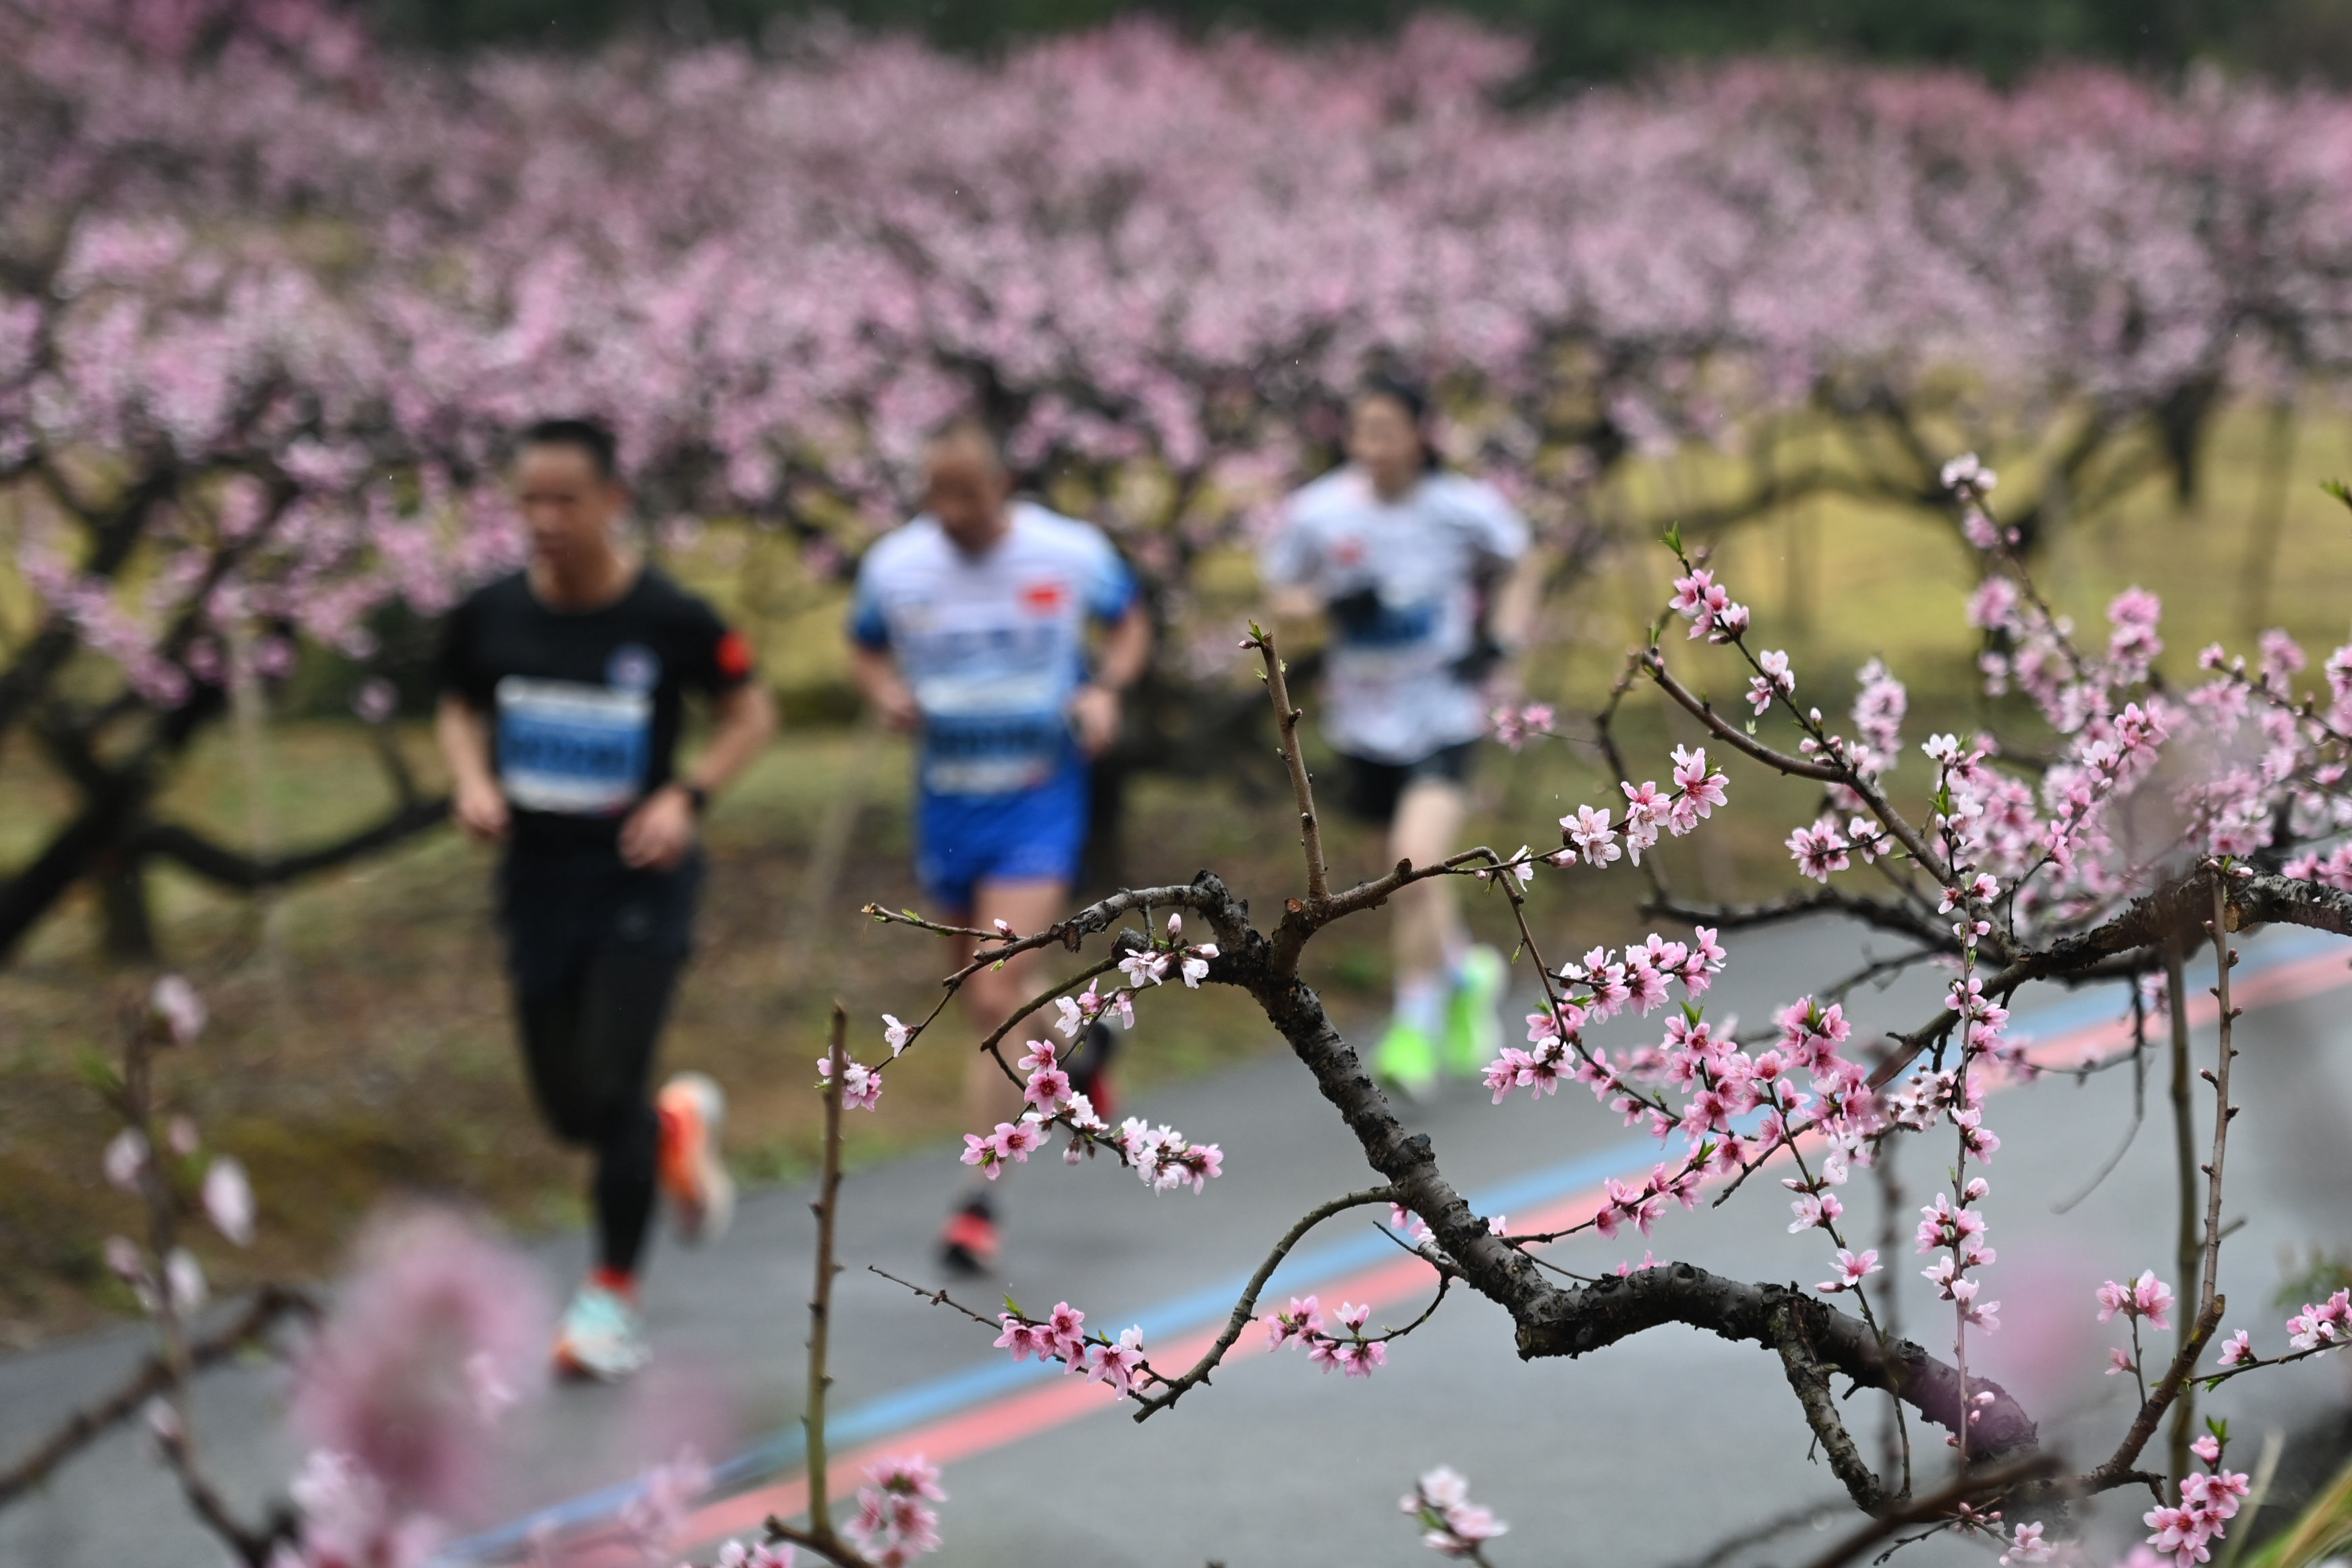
[
  {"x": 1406, "y": 1061},
  {"x": 1473, "y": 1013}
]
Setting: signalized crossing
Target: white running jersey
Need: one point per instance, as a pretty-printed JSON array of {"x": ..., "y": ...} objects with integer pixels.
[
  {"x": 993, "y": 646},
  {"x": 1390, "y": 693}
]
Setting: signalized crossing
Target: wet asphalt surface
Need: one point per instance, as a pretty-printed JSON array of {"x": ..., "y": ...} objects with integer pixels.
[{"x": 1646, "y": 1453}]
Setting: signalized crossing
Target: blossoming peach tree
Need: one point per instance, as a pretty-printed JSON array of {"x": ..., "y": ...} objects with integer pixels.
[
  {"x": 272, "y": 298},
  {"x": 2017, "y": 866}
]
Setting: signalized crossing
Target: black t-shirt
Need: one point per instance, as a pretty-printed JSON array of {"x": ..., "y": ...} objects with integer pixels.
[{"x": 585, "y": 706}]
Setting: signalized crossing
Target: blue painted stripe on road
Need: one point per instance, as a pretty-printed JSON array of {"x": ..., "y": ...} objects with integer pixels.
[{"x": 951, "y": 1392}]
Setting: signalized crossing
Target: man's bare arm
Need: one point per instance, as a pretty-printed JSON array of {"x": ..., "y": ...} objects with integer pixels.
[
  {"x": 1126, "y": 650},
  {"x": 662, "y": 829},
  {"x": 876, "y": 675},
  {"x": 464, "y": 737},
  {"x": 746, "y": 721},
  {"x": 1513, "y": 619}
]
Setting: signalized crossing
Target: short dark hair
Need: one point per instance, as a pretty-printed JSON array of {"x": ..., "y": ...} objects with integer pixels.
[
  {"x": 1399, "y": 389},
  {"x": 1412, "y": 397},
  {"x": 592, "y": 436},
  {"x": 969, "y": 426}
]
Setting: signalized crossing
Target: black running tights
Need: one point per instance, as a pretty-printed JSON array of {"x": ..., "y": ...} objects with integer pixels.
[{"x": 589, "y": 1045}]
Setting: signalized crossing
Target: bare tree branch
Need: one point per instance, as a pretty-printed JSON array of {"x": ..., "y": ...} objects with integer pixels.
[
  {"x": 2118, "y": 1471},
  {"x": 86, "y": 1426},
  {"x": 820, "y": 1537},
  {"x": 1310, "y": 831},
  {"x": 1810, "y": 1378},
  {"x": 1797, "y": 905},
  {"x": 234, "y": 869},
  {"x": 1731, "y": 734},
  {"x": 1246, "y": 1305},
  {"x": 1555, "y": 1321},
  {"x": 2175, "y": 912},
  {"x": 1981, "y": 1484}
]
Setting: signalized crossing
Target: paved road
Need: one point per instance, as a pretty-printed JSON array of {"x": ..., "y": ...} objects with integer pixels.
[{"x": 1647, "y": 1453}]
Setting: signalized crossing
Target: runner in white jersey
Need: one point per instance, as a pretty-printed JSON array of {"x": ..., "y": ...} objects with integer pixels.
[
  {"x": 1421, "y": 574},
  {"x": 970, "y": 630}
]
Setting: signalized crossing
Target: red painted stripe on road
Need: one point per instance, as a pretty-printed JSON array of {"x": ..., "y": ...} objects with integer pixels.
[
  {"x": 2291, "y": 982},
  {"x": 1033, "y": 1411},
  {"x": 1039, "y": 1410}
]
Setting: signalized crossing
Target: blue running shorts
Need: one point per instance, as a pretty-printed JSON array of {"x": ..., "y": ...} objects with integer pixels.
[{"x": 1031, "y": 836}]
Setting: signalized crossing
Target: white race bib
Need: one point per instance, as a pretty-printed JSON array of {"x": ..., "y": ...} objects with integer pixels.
[{"x": 567, "y": 747}]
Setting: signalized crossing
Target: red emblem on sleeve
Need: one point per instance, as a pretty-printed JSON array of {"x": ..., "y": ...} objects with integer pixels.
[{"x": 734, "y": 656}]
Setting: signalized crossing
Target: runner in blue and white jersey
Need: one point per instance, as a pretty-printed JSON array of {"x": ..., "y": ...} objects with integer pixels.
[
  {"x": 970, "y": 630},
  {"x": 1420, "y": 574}
]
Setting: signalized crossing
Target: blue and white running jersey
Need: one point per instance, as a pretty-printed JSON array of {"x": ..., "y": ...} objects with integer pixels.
[
  {"x": 1389, "y": 692},
  {"x": 994, "y": 645}
]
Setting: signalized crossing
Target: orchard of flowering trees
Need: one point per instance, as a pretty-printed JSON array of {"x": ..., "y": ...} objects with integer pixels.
[{"x": 274, "y": 298}]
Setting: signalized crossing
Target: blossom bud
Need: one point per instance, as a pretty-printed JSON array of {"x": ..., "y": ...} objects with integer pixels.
[
  {"x": 126, "y": 1156},
  {"x": 177, "y": 1010}
]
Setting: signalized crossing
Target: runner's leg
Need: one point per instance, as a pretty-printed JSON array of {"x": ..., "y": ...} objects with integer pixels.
[
  {"x": 991, "y": 996},
  {"x": 599, "y": 1335},
  {"x": 1427, "y": 933},
  {"x": 548, "y": 1018},
  {"x": 969, "y": 1243},
  {"x": 596, "y": 957},
  {"x": 590, "y": 1047},
  {"x": 626, "y": 1001}
]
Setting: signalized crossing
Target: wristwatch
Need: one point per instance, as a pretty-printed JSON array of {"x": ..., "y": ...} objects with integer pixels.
[{"x": 697, "y": 796}]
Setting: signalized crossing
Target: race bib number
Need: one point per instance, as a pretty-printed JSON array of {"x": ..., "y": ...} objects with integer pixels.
[
  {"x": 565, "y": 747},
  {"x": 970, "y": 756},
  {"x": 992, "y": 731}
]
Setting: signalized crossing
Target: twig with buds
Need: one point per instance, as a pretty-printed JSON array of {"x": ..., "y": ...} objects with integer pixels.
[
  {"x": 820, "y": 1536},
  {"x": 1246, "y": 1305},
  {"x": 1286, "y": 718},
  {"x": 271, "y": 1305}
]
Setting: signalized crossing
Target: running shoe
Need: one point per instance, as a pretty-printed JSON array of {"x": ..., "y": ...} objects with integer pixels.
[
  {"x": 1406, "y": 1061},
  {"x": 692, "y": 1109},
  {"x": 968, "y": 1244},
  {"x": 1473, "y": 1013},
  {"x": 600, "y": 1337},
  {"x": 1090, "y": 1072}
]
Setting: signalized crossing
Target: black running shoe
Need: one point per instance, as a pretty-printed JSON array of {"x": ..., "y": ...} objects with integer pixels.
[
  {"x": 968, "y": 1243},
  {"x": 1090, "y": 1072}
]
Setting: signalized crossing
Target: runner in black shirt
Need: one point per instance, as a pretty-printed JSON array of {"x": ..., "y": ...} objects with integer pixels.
[{"x": 563, "y": 687}]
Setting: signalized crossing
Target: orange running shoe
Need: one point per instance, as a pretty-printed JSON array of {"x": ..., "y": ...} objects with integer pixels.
[{"x": 692, "y": 1110}]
